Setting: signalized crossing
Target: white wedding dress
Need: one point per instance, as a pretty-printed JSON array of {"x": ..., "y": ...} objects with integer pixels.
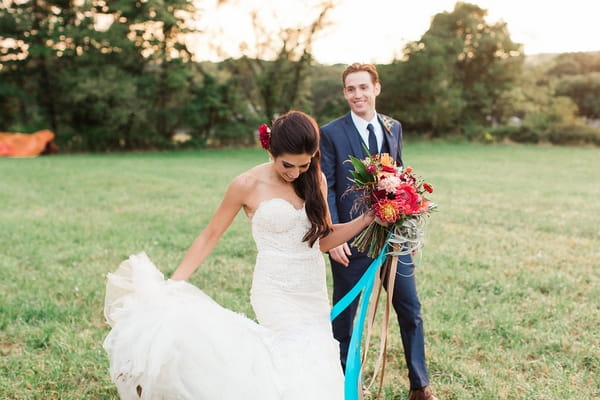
[{"x": 175, "y": 342}]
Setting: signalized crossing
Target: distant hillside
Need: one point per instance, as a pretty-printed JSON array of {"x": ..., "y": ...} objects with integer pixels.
[
  {"x": 538, "y": 59},
  {"x": 544, "y": 58}
]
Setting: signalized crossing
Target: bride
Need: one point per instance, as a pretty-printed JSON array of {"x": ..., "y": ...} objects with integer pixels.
[{"x": 169, "y": 340}]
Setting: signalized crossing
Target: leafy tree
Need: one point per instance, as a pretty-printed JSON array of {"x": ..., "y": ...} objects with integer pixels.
[
  {"x": 124, "y": 83},
  {"x": 577, "y": 75},
  {"x": 584, "y": 90},
  {"x": 535, "y": 108},
  {"x": 33, "y": 34},
  {"x": 422, "y": 92},
  {"x": 575, "y": 64},
  {"x": 326, "y": 92},
  {"x": 488, "y": 62},
  {"x": 104, "y": 110},
  {"x": 456, "y": 72},
  {"x": 534, "y": 98},
  {"x": 274, "y": 75},
  {"x": 216, "y": 112},
  {"x": 157, "y": 29}
]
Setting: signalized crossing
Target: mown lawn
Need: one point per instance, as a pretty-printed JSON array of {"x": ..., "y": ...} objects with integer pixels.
[{"x": 509, "y": 277}]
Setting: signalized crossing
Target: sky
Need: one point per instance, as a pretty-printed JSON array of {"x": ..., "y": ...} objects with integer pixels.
[{"x": 376, "y": 31}]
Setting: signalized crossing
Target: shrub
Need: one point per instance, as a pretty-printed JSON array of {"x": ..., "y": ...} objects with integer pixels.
[
  {"x": 526, "y": 134},
  {"x": 505, "y": 132},
  {"x": 234, "y": 134},
  {"x": 573, "y": 133}
]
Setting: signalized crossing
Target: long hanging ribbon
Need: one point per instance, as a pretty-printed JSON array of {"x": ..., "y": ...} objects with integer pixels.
[
  {"x": 390, "y": 267},
  {"x": 364, "y": 286}
]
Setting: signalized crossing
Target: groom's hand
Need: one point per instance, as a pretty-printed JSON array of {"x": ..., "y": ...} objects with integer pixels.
[{"x": 340, "y": 254}]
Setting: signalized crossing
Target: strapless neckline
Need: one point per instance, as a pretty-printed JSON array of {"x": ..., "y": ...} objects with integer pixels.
[{"x": 276, "y": 199}]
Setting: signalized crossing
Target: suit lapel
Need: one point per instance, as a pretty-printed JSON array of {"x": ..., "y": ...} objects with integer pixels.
[
  {"x": 354, "y": 140},
  {"x": 389, "y": 136}
]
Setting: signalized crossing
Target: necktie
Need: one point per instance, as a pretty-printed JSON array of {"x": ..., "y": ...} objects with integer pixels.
[{"x": 372, "y": 140}]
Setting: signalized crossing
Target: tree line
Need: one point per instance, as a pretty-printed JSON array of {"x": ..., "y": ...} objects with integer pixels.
[{"x": 132, "y": 83}]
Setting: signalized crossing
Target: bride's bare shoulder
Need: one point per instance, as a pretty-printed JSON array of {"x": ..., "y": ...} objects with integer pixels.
[
  {"x": 248, "y": 186},
  {"x": 249, "y": 180}
]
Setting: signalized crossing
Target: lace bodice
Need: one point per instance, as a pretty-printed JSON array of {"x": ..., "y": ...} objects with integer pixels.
[
  {"x": 278, "y": 226},
  {"x": 289, "y": 277}
]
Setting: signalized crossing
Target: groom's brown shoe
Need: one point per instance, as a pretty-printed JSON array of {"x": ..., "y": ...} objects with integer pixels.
[{"x": 423, "y": 393}]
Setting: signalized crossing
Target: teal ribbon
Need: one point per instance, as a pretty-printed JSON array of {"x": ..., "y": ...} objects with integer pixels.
[{"x": 364, "y": 286}]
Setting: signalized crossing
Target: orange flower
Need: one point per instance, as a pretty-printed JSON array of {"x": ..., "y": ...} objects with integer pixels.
[
  {"x": 387, "y": 210},
  {"x": 424, "y": 206},
  {"x": 387, "y": 160}
]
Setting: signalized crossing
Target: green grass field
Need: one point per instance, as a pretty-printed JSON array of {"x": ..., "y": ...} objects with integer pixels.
[{"x": 509, "y": 277}]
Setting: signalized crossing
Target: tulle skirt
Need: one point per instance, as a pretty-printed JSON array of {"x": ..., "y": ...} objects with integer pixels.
[{"x": 169, "y": 340}]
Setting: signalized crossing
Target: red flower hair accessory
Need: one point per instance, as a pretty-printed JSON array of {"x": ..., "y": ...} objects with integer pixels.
[{"x": 264, "y": 134}]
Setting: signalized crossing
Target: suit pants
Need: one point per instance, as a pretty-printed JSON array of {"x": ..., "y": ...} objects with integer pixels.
[{"x": 405, "y": 303}]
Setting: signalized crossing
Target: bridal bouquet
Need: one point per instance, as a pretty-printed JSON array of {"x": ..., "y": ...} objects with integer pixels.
[{"x": 398, "y": 199}]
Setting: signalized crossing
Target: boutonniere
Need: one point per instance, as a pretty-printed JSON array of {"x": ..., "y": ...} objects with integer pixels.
[{"x": 387, "y": 123}]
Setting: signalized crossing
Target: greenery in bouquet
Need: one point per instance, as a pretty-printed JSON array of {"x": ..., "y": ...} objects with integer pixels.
[{"x": 397, "y": 197}]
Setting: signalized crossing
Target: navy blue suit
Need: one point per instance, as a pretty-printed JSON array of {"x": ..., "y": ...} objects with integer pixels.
[{"x": 339, "y": 140}]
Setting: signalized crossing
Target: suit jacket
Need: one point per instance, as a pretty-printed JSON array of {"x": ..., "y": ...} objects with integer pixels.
[{"x": 339, "y": 140}]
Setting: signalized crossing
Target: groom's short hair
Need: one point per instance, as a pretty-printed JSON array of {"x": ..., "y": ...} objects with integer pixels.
[{"x": 358, "y": 67}]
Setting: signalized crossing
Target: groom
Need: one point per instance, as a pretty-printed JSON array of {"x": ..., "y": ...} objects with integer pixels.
[{"x": 341, "y": 138}]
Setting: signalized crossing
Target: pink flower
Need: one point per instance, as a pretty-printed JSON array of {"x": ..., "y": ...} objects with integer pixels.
[
  {"x": 408, "y": 197},
  {"x": 389, "y": 183}
]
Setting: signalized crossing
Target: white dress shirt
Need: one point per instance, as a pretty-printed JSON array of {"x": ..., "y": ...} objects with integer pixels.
[{"x": 361, "y": 126}]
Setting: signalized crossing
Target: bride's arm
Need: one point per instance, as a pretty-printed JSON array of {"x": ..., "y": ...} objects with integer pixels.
[
  {"x": 207, "y": 239},
  {"x": 341, "y": 233}
]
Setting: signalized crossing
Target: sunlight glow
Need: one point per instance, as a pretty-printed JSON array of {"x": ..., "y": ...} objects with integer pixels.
[{"x": 377, "y": 30}]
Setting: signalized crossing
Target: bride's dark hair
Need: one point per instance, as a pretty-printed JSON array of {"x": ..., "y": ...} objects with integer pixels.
[{"x": 298, "y": 133}]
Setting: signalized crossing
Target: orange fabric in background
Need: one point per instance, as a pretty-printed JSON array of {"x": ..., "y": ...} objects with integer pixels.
[{"x": 23, "y": 144}]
